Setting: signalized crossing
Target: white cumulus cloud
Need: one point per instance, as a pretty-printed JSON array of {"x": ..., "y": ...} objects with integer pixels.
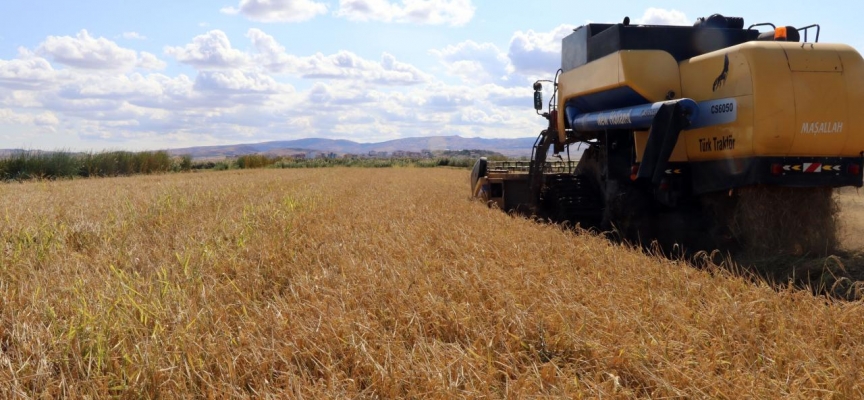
[
  {"x": 237, "y": 82},
  {"x": 133, "y": 36},
  {"x": 86, "y": 52},
  {"x": 44, "y": 118},
  {"x": 342, "y": 65},
  {"x": 537, "y": 52},
  {"x": 149, "y": 61},
  {"x": 474, "y": 62},
  {"x": 659, "y": 16},
  {"x": 118, "y": 87},
  {"x": 209, "y": 51},
  {"x": 427, "y": 12},
  {"x": 278, "y": 10},
  {"x": 530, "y": 54},
  {"x": 321, "y": 93},
  {"x": 518, "y": 97},
  {"x": 347, "y": 65},
  {"x": 29, "y": 72}
]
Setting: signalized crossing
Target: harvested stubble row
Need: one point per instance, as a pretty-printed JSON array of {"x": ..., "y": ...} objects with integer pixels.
[{"x": 337, "y": 283}]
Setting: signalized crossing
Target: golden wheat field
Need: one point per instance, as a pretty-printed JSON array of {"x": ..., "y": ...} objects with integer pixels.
[{"x": 386, "y": 283}]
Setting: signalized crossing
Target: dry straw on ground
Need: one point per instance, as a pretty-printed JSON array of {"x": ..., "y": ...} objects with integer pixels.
[
  {"x": 342, "y": 283},
  {"x": 779, "y": 220}
]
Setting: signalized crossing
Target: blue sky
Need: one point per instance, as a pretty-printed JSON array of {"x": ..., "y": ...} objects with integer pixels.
[{"x": 93, "y": 75}]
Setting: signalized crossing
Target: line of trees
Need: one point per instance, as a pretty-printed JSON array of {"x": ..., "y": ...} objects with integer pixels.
[{"x": 27, "y": 165}]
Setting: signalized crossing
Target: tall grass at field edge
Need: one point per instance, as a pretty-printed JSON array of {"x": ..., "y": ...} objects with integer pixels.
[{"x": 64, "y": 164}]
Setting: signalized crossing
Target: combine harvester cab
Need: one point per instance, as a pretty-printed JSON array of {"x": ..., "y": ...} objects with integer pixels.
[{"x": 684, "y": 128}]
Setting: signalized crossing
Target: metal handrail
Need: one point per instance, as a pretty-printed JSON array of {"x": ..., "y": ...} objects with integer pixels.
[
  {"x": 524, "y": 166},
  {"x": 762, "y": 24},
  {"x": 808, "y": 27}
]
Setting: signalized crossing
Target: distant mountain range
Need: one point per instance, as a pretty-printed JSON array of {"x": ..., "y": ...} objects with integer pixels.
[
  {"x": 508, "y": 147},
  {"x": 518, "y": 147},
  {"x": 11, "y": 152}
]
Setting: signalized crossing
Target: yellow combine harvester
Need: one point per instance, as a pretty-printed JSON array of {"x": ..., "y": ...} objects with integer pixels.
[{"x": 674, "y": 121}]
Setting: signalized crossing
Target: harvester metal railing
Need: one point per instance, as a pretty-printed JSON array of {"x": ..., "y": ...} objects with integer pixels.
[{"x": 524, "y": 166}]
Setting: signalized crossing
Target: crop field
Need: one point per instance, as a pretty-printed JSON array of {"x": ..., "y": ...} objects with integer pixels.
[{"x": 381, "y": 283}]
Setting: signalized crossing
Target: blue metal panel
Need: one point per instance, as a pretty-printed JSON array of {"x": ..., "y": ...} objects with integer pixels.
[{"x": 634, "y": 118}]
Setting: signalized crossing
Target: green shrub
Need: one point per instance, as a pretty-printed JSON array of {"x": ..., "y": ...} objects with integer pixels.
[
  {"x": 255, "y": 161},
  {"x": 184, "y": 163}
]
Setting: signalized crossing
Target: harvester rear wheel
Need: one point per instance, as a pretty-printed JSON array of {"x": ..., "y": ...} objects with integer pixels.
[{"x": 625, "y": 207}]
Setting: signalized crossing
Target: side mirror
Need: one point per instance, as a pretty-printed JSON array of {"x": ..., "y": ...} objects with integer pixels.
[{"x": 538, "y": 96}]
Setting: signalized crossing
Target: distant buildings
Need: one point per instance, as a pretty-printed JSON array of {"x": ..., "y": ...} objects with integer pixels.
[
  {"x": 415, "y": 155},
  {"x": 400, "y": 154}
]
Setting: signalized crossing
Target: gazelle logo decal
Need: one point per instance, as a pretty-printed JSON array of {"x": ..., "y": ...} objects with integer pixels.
[{"x": 721, "y": 80}]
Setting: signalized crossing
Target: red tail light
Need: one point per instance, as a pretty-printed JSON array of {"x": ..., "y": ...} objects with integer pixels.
[
  {"x": 634, "y": 171},
  {"x": 776, "y": 169},
  {"x": 854, "y": 169},
  {"x": 664, "y": 185}
]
